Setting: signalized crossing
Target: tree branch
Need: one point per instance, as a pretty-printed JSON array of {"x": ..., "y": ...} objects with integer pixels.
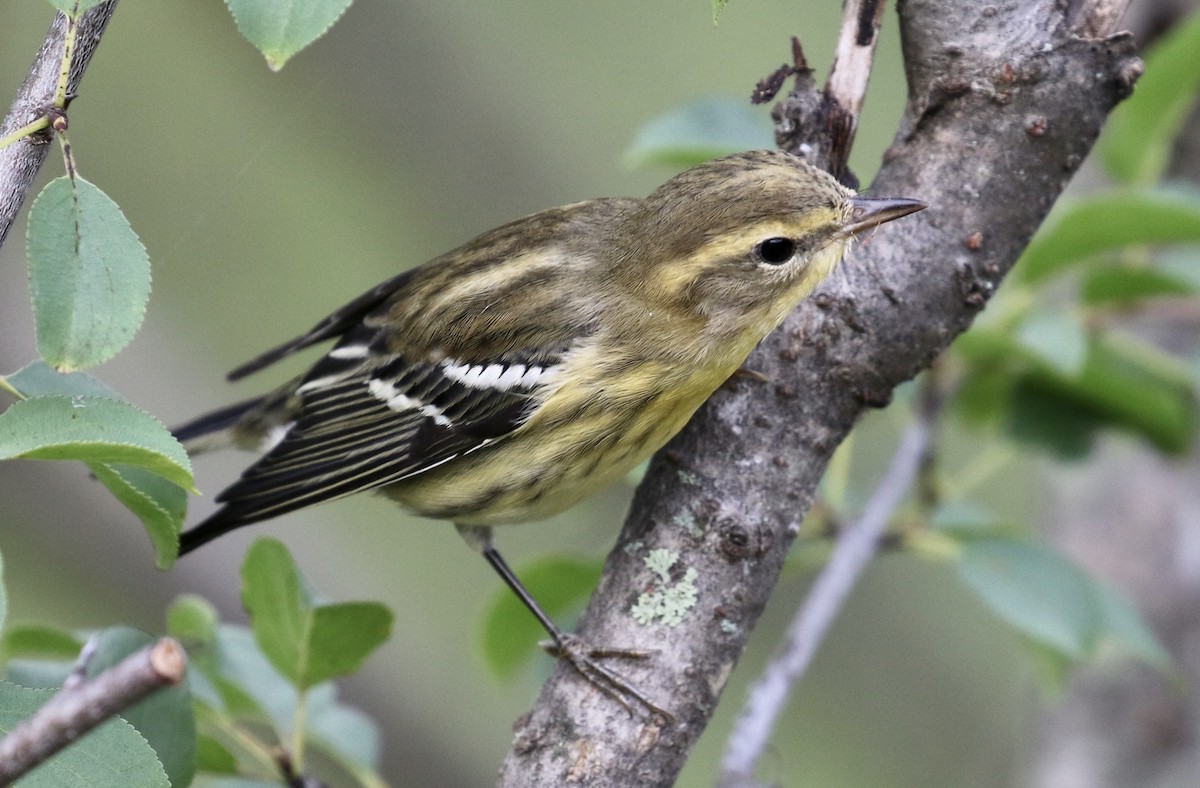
[
  {"x": 1004, "y": 103},
  {"x": 81, "y": 706},
  {"x": 20, "y": 162},
  {"x": 855, "y": 549}
]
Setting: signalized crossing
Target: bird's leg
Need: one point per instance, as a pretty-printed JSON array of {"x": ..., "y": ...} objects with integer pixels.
[{"x": 563, "y": 645}]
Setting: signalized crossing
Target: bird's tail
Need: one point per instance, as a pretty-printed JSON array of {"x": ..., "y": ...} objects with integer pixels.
[
  {"x": 221, "y": 522},
  {"x": 214, "y": 430}
]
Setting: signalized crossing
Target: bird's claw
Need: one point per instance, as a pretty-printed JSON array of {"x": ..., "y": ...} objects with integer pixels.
[{"x": 584, "y": 658}]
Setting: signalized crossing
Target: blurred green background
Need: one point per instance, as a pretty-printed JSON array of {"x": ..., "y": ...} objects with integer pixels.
[{"x": 266, "y": 200}]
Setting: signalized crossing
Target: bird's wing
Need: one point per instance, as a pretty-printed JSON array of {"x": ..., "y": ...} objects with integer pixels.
[
  {"x": 367, "y": 418},
  {"x": 333, "y": 325}
]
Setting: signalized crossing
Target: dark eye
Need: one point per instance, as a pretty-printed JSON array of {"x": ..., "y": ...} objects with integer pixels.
[{"x": 776, "y": 251}]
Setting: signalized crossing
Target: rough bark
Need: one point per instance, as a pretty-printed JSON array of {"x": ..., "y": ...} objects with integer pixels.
[
  {"x": 1005, "y": 101},
  {"x": 20, "y": 162}
]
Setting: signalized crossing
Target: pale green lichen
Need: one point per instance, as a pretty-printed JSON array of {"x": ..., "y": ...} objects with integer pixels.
[{"x": 671, "y": 601}]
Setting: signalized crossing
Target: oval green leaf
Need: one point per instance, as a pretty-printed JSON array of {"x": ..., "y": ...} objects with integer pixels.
[
  {"x": 1109, "y": 222},
  {"x": 306, "y": 643},
  {"x": 1035, "y": 590},
  {"x": 158, "y": 503},
  {"x": 38, "y": 379},
  {"x": 92, "y": 429},
  {"x": 1141, "y": 132},
  {"x": 89, "y": 275},
  {"x": 280, "y": 30},
  {"x": 701, "y": 131},
  {"x": 40, "y": 641},
  {"x": 112, "y": 754},
  {"x": 1125, "y": 285}
]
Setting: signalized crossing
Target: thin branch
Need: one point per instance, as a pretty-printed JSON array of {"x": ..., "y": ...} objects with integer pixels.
[
  {"x": 820, "y": 125},
  {"x": 847, "y": 84},
  {"x": 21, "y": 160},
  {"x": 76, "y": 710},
  {"x": 854, "y": 550}
]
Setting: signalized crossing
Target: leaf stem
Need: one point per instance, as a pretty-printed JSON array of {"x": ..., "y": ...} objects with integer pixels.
[
  {"x": 25, "y": 131},
  {"x": 299, "y": 721},
  {"x": 64, "y": 69}
]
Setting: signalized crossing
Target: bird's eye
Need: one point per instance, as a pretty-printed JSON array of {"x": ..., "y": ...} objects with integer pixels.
[{"x": 776, "y": 251}]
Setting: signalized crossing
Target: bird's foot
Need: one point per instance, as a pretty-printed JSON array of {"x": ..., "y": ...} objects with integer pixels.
[{"x": 585, "y": 659}]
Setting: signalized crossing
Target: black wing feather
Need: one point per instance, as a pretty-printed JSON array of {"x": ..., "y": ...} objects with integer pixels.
[
  {"x": 346, "y": 438},
  {"x": 333, "y": 325}
]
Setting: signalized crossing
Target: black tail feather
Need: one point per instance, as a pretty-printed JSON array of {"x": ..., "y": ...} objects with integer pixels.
[
  {"x": 215, "y": 421},
  {"x": 218, "y": 524}
]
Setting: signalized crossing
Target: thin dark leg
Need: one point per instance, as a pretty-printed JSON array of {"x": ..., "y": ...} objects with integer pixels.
[
  {"x": 582, "y": 657},
  {"x": 510, "y": 578}
]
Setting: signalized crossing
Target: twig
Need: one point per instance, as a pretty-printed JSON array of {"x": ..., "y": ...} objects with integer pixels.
[
  {"x": 73, "y": 712},
  {"x": 847, "y": 83},
  {"x": 78, "y": 674},
  {"x": 820, "y": 126},
  {"x": 21, "y": 160},
  {"x": 854, "y": 551}
]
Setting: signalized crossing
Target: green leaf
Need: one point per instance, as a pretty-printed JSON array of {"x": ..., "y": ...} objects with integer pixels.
[
  {"x": 89, "y": 275},
  {"x": 158, "y": 503},
  {"x": 39, "y": 379},
  {"x": 75, "y": 8},
  {"x": 1127, "y": 630},
  {"x": 3, "y": 597},
  {"x": 164, "y": 718},
  {"x": 1141, "y": 132},
  {"x": 92, "y": 429},
  {"x": 700, "y": 131},
  {"x": 250, "y": 688},
  {"x": 1123, "y": 383},
  {"x": 307, "y": 643},
  {"x": 112, "y": 754},
  {"x": 1049, "y": 416},
  {"x": 1108, "y": 222},
  {"x": 341, "y": 638},
  {"x": 213, "y": 758},
  {"x": 253, "y": 691},
  {"x": 37, "y": 673},
  {"x": 1067, "y": 614},
  {"x": 344, "y": 733},
  {"x": 280, "y": 30},
  {"x": 1057, "y": 338},
  {"x": 192, "y": 619},
  {"x": 41, "y": 641},
  {"x": 717, "y": 7},
  {"x": 560, "y": 584},
  {"x": 1123, "y": 285},
  {"x": 1039, "y": 593}
]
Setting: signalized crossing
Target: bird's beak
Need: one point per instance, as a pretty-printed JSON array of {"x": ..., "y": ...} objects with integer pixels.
[{"x": 868, "y": 212}]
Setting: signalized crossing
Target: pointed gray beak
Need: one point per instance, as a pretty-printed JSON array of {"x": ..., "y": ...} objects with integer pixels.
[{"x": 868, "y": 212}]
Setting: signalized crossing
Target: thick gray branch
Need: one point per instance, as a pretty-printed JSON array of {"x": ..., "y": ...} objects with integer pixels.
[
  {"x": 20, "y": 162},
  {"x": 1005, "y": 102}
]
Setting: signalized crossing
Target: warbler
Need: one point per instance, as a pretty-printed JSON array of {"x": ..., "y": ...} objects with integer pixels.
[{"x": 506, "y": 380}]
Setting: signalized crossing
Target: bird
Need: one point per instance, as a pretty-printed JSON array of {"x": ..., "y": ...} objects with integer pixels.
[{"x": 508, "y": 379}]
